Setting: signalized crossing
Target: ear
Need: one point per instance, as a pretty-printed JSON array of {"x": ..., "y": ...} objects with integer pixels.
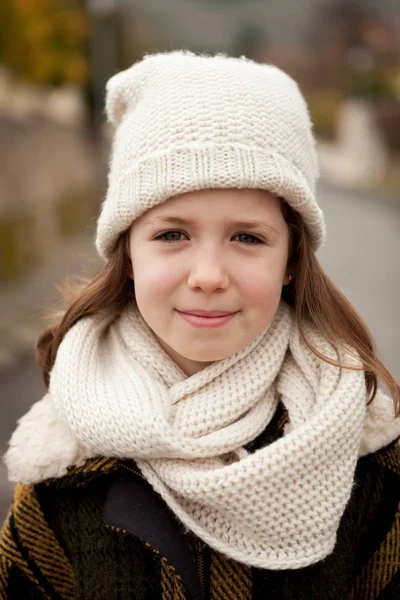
[{"x": 290, "y": 271}]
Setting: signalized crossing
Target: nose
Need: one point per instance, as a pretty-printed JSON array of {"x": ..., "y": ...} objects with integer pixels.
[{"x": 208, "y": 273}]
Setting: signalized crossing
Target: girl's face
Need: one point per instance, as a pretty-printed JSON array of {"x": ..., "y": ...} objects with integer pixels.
[{"x": 208, "y": 268}]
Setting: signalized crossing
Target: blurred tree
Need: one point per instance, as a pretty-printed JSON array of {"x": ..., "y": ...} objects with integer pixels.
[
  {"x": 357, "y": 47},
  {"x": 251, "y": 41},
  {"x": 45, "y": 41}
]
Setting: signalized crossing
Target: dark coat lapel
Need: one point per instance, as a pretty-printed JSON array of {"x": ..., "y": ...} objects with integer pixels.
[{"x": 134, "y": 506}]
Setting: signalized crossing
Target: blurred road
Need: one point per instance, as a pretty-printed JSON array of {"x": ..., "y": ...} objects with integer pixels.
[
  {"x": 20, "y": 386},
  {"x": 361, "y": 256}
]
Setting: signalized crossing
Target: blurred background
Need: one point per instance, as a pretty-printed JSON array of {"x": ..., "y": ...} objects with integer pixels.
[{"x": 55, "y": 58}]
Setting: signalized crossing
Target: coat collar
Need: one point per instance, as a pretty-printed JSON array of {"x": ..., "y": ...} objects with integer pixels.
[{"x": 133, "y": 506}]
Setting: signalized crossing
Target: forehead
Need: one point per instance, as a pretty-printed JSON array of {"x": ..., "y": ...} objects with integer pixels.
[{"x": 214, "y": 203}]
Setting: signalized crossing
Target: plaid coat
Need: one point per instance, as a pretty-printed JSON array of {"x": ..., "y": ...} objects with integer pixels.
[{"x": 102, "y": 533}]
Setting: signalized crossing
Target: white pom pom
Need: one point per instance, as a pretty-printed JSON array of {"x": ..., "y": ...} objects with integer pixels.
[
  {"x": 42, "y": 446},
  {"x": 380, "y": 426}
]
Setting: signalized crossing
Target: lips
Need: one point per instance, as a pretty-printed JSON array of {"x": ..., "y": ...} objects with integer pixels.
[
  {"x": 208, "y": 313},
  {"x": 207, "y": 318}
]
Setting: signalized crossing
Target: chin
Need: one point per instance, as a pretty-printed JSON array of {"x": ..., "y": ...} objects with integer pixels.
[{"x": 207, "y": 355}]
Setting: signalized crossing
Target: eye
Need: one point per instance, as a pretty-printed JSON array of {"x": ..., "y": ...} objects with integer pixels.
[
  {"x": 172, "y": 235},
  {"x": 249, "y": 239}
]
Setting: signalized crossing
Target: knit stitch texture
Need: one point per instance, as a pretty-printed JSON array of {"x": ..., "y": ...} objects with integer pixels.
[
  {"x": 115, "y": 392},
  {"x": 187, "y": 122}
]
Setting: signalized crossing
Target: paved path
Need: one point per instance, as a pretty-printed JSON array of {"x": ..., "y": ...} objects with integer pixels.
[
  {"x": 361, "y": 256},
  {"x": 23, "y": 306},
  {"x": 20, "y": 386}
]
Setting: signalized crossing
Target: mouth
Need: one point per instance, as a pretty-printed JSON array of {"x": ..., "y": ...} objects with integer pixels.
[
  {"x": 207, "y": 318},
  {"x": 208, "y": 313}
]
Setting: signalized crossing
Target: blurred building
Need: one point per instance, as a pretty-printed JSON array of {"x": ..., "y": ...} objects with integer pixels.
[{"x": 286, "y": 31}]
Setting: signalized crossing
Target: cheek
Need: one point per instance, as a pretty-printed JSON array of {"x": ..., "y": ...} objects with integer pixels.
[
  {"x": 263, "y": 298},
  {"x": 262, "y": 283},
  {"x": 153, "y": 280}
]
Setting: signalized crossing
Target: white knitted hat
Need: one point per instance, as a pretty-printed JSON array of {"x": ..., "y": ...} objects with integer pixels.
[{"x": 186, "y": 122}]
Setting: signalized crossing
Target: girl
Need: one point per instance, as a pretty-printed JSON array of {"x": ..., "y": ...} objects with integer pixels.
[{"x": 213, "y": 426}]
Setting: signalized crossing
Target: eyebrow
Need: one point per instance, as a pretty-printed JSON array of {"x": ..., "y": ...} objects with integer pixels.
[{"x": 248, "y": 225}]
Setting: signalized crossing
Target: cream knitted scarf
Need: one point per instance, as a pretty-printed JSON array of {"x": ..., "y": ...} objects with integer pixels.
[{"x": 116, "y": 393}]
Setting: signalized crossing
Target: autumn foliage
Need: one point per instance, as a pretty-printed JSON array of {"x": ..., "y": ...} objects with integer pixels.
[{"x": 45, "y": 41}]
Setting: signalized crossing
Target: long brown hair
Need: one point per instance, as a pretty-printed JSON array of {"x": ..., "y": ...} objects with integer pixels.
[{"x": 312, "y": 294}]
